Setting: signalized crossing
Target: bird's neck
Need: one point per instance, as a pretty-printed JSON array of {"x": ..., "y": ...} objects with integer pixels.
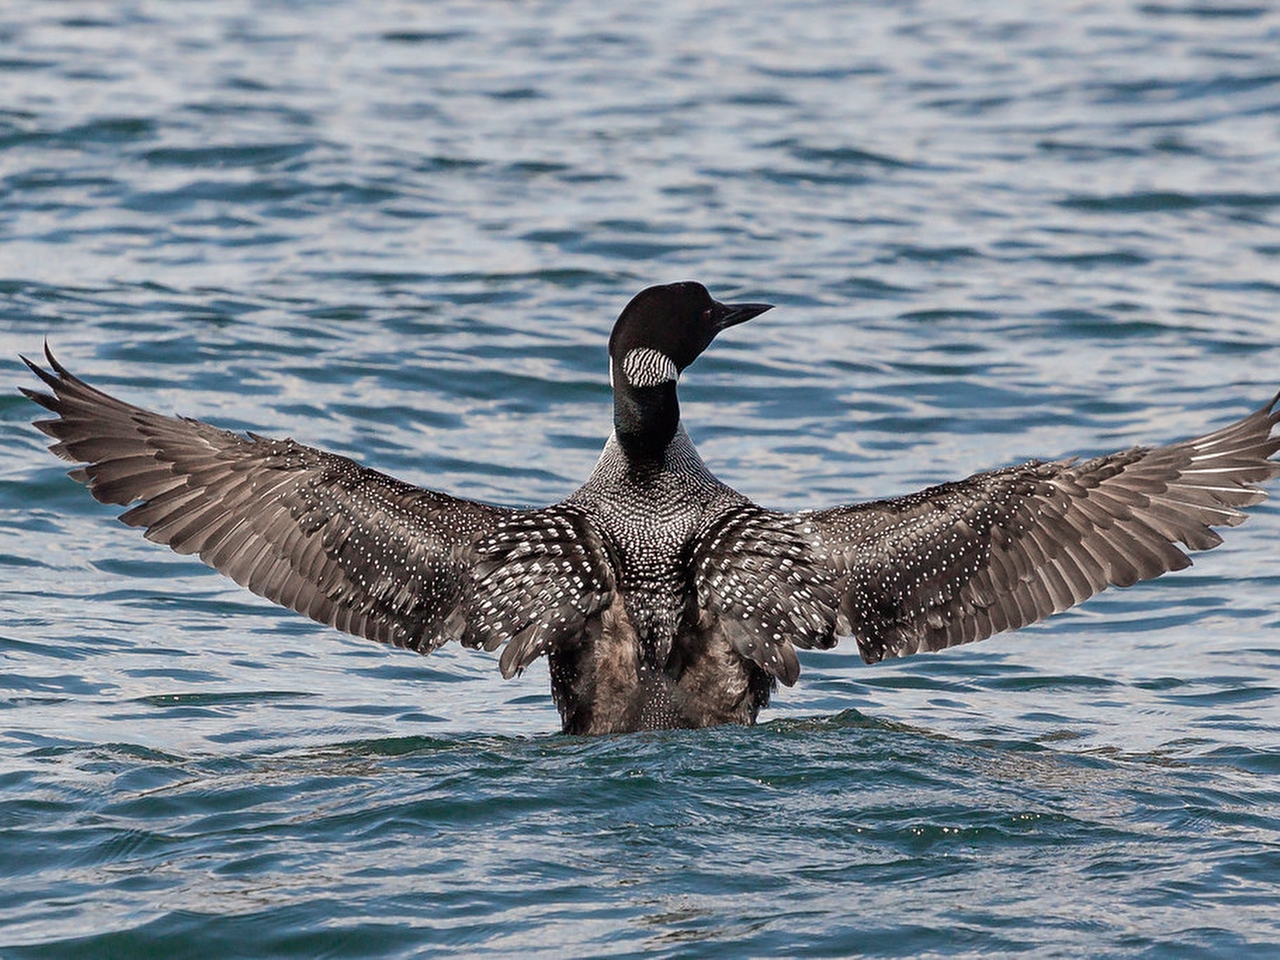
[{"x": 645, "y": 419}]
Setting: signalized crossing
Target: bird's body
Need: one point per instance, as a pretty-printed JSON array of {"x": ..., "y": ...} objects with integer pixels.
[
  {"x": 655, "y": 663},
  {"x": 661, "y": 597}
]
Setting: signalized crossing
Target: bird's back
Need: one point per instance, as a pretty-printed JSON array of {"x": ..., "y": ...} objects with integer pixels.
[{"x": 651, "y": 661}]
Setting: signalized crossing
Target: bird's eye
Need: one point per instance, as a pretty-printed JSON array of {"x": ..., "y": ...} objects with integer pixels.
[{"x": 706, "y": 315}]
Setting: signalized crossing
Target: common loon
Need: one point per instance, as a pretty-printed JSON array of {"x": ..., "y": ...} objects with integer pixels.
[{"x": 660, "y": 596}]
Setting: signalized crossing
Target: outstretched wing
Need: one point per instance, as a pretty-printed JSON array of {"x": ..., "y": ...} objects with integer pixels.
[
  {"x": 316, "y": 532},
  {"x": 961, "y": 561}
]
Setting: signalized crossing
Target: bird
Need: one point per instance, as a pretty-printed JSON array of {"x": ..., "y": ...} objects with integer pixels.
[{"x": 661, "y": 597}]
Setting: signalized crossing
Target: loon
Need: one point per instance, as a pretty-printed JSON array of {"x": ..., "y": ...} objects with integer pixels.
[{"x": 661, "y": 597}]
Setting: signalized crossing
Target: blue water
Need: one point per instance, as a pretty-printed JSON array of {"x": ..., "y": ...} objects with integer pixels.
[{"x": 402, "y": 232}]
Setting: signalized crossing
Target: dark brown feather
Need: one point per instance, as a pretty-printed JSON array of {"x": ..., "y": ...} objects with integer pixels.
[
  {"x": 347, "y": 546},
  {"x": 1029, "y": 541}
]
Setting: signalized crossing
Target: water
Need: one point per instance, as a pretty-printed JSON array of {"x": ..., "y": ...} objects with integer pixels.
[{"x": 402, "y": 232}]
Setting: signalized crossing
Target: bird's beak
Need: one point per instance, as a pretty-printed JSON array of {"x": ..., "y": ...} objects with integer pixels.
[{"x": 725, "y": 315}]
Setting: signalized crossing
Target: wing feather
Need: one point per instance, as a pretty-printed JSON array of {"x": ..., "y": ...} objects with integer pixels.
[
  {"x": 961, "y": 561},
  {"x": 757, "y": 580},
  {"x": 339, "y": 543}
]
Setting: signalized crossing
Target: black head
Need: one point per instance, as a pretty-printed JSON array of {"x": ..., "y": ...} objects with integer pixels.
[
  {"x": 673, "y": 324},
  {"x": 659, "y": 333}
]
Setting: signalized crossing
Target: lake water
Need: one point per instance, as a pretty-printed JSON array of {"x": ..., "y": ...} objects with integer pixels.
[{"x": 402, "y": 232}]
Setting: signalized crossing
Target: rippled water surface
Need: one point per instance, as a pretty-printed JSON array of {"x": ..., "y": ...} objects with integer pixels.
[{"x": 402, "y": 231}]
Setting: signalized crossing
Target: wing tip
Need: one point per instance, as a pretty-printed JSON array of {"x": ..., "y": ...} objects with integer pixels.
[{"x": 56, "y": 378}]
